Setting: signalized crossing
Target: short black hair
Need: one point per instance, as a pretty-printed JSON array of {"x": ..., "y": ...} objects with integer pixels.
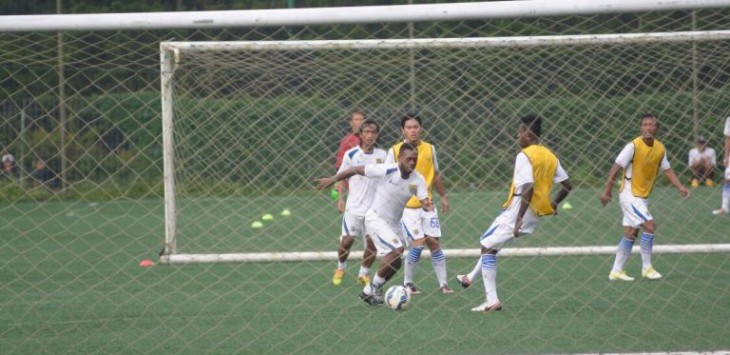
[
  {"x": 534, "y": 123},
  {"x": 410, "y": 116},
  {"x": 647, "y": 116},
  {"x": 370, "y": 122},
  {"x": 407, "y": 146}
]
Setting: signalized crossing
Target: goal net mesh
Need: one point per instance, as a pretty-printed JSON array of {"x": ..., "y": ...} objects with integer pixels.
[{"x": 257, "y": 115}]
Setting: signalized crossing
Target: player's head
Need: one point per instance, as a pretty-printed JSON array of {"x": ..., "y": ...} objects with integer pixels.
[
  {"x": 369, "y": 130},
  {"x": 649, "y": 126},
  {"x": 407, "y": 157},
  {"x": 529, "y": 130},
  {"x": 411, "y": 126},
  {"x": 356, "y": 119},
  {"x": 701, "y": 143}
]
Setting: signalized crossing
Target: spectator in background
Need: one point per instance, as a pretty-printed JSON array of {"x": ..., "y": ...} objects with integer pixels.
[
  {"x": 10, "y": 167},
  {"x": 702, "y": 161},
  {"x": 43, "y": 175}
]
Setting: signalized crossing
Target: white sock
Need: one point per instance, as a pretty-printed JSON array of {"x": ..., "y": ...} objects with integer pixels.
[
  {"x": 378, "y": 281},
  {"x": 341, "y": 265},
  {"x": 726, "y": 196},
  {"x": 646, "y": 244},
  {"x": 477, "y": 269},
  {"x": 622, "y": 254},
  {"x": 489, "y": 275},
  {"x": 414, "y": 255},
  {"x": 363, "y": 271},
  {"x": 438, "y": 261}
]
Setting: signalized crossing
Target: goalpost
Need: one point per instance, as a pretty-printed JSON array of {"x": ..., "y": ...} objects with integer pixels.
[{"x": 225, "y": 103}]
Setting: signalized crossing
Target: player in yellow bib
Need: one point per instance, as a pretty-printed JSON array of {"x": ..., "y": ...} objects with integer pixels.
[
  {"x": 537, "y": 170},
  {"x": 420, "y": 226},
  {"x": 641, "y": 161}
]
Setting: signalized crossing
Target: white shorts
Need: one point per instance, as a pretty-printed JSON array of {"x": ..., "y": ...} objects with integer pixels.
[
  {"x": 386, "y": 236},
  {"x": 418, "y": 223},
  {"x": 498, "y": 235},
  {"x": 727, "y": 173},
  {"x": 635, "y": 209},
  {"x": 353, "y": 226}
]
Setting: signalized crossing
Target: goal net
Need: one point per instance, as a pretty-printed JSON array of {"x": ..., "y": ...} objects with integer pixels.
[{"x": 249, "y": 126}]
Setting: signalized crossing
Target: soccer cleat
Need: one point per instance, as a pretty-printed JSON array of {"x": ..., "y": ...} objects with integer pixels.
[
  {"x": 337, "y": 278},
  {"x": 373, "y": 300},
  {"x": 651, "y": 274},
  {"x": 445, "y": 289},
  {"x": 411, "y": 287},
  {"x": 364, "y": 279},
  {"x": 695, "y": 183},
  {"x": 485, "y": 307},
  {"x": 719, "y": 212},
  {"x": 709, "y": 183},
  {"x": 463, "y": 280},
  {"x": 621, "y": 275}
]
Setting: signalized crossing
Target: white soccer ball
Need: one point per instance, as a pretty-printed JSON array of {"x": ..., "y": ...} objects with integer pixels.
[{"x": 398, "y": 298}]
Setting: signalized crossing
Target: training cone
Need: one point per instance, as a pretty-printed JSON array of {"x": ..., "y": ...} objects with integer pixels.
[
  {"x": 286, "y": 212},
  {"x": 566, "y": 206},
  {"x": 257, "y": 224},
  {"x": 267, "y": 217},
  {"x": 146, "y": 263}
]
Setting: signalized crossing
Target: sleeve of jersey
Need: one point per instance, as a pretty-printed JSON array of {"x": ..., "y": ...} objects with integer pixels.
[
  {"x": 560, "y": 174},
  {"x": 435, "y": 160},
  {"x": 390, "y": 157},
  {"x": 421, "y": 189},
  {"x": 379, "y": 170},
  {"x": 523, "y": 171},
  {"x": 345, "y": 163},
  {"x": 624, "y": 158},
  {"x": 727, "y": 127},
  {"x": 665, "y": 162}
]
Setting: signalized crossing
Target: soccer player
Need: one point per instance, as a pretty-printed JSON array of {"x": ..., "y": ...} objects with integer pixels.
[
  {"x": 349, "y": 141},
  {"x": 641, "y": 161},
  {"x": 725, "y": 203},
  {"x": 421, "y": 226},
  {"x": 702, "y": 162},
  {"x": 397, "y": 183},
  {"x": 537, "y": 170},
  {"x": 359, "y": 198}
]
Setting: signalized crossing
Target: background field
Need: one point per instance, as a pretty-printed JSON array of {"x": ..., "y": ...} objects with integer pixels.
[{"x": 71, "y": 282}]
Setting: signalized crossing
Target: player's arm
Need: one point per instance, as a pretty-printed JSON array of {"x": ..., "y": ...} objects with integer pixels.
[
  {"x": 438, "y": 185},
  {"x": 422, "y": 195},
  {"x": 606, "y": 197},
  {"x": 438, "y": 182},
  {"x": 565, "y": 187},
  {"x": 675, "y": 181},
  {"x": 727, "y": 150},
  {"x": 326, "y": 182},
  {"x": 525, "y": 197}
]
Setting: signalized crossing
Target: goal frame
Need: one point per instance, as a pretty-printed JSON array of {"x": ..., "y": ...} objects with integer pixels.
[{"x": 170, "y": 56}]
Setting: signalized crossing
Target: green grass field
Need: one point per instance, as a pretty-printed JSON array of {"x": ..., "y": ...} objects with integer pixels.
[{"x": 70, "y": 283}]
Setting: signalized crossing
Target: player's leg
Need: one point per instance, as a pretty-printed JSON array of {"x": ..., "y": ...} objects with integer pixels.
[
  {"x": 387, "y": 242},
  {"x": 465, "y": 280},
  {"x": 725, "y": 203},
  {"x": 696, "y": 174},
  {"x": 368, "y": 259},
  {"x": 647, "y": 246},
  {"x": 491, "y": 245},
  {"x": 635, "y": 214},
  {"x": 432, "y": 230},
  {"x": 412, "y": 228},
  {"x": 347, "y": 237}
]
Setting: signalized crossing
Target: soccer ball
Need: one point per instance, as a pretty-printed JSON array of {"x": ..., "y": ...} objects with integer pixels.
[{"x": 398, "y": 298}]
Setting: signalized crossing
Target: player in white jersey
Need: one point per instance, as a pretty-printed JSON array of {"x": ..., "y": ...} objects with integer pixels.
[
  {"x": 359, "y": 198},
  {"x": 725, "y": 205},
  {"x": 397, "y": 183}
]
